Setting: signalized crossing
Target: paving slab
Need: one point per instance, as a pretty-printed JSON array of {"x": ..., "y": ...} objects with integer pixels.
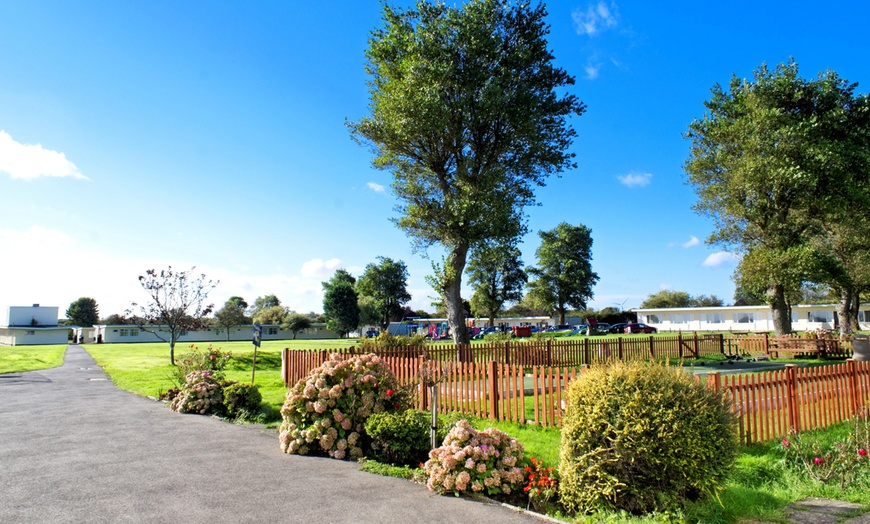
[{"x": 74, "y": 448}]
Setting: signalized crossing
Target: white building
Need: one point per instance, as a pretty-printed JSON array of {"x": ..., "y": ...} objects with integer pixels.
[
  {"x": 27, "y": 326},
  {"x": 804, "y": 317},
  {"x": 127, "y": 333}
]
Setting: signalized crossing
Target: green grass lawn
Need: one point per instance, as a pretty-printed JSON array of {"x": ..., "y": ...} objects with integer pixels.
[{"x": 15, "y": 359}]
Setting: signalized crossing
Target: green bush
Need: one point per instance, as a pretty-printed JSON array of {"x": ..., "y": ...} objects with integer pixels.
[
  {"x": 386, "y": 340},
  {"x": 642, "y": 437},
  {"x": 242, "y": 399},
  {"x": 403, "y": 438}
]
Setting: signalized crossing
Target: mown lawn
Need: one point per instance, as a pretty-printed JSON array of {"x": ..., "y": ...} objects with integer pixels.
[{"x": 15, "y": 359}]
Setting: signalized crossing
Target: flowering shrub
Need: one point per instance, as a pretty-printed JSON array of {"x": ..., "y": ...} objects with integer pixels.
[
  {"x": 195, "y": 360},
  {"x": 387, "y": 340},
  {"x": 541, "y": 484},
  {"x": 844, "y": 461},
  {"x": 201, "y": 393},
  {"x": 326, "y": 411},
  {"x": 480, "y": 461}
]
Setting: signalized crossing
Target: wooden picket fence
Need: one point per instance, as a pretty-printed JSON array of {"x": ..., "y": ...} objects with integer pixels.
[
  {"x": 547, "y": 352},
  {"x": 789, "y": 346},
  {"x": 768, "y": 404},
  {"x": 771, "y": 404}
]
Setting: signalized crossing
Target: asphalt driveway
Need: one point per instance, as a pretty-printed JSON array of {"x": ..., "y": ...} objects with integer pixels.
[{"x": 73, "y": 448}]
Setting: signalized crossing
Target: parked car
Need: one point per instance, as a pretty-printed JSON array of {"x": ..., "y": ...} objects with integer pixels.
[
  {"x": 372, "y": 333},
  {"x": 636, "y": 327},
  {"x": 617, "y": 328}
]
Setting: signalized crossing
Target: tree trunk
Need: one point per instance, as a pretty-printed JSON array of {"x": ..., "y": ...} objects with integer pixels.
[
  {"x": 172, "y": 350},
  {"x": 856, "y": 306},
  {"x": 779, "y": 310},
  {"x": 561, "y": 312},
  {"x": 844, "y": 310},
  {"x": 452, "y": 287}
]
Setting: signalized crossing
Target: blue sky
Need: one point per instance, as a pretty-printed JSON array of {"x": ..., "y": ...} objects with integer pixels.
[{"x": 143, "y": 134}]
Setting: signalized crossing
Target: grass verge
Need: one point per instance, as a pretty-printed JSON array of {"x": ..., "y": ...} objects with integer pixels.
[{"x": 17, "y": 359}]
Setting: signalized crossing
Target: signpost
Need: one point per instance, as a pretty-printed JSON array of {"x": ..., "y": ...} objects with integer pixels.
[{"x": 258, "y": 334}]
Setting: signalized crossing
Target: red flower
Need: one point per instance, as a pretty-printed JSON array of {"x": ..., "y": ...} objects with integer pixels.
[
  {"x": 389, "y": 392},
  {"x": 785, "y": 443},
  {"x": 818, "y": 461},
  {"x": 862, "y": 452}
]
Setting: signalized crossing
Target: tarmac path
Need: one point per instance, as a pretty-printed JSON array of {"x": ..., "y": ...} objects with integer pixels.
[{"x": 74, "y": 448}]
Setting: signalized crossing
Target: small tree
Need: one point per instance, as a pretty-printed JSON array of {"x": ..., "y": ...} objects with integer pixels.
[
  {"x": 495, "y": 271},
  {"x": 176, "y": 304},
  {"x": 385, "y": 282},
  {"x": 83, "y": 312},
  {"x": 564, "y": 276},
  {"x": 341, "y": 308},
  {"x": 296, "y": 322},
  {"x": 231, "y": 315},
  {"x": 666, "y": 299}
]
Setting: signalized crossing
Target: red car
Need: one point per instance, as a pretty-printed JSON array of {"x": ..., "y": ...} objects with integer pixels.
[{"x": 635, "y": 327}]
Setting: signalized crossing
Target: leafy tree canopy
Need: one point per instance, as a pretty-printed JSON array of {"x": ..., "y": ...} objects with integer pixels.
[
  {"x": 341, "y": 308},
  {"x": 232, "y": 314},
  {"x": 263, "y": 303},
  {"x": 84, "y": 312},
  {"x": 296, "y": 322},
  {"x": 563, "y": 278},
  {"x": 386, "y": 283},
  {"x": 469, "y": 114},
  {"x": 272, "y": 315},
  {"x": 770, "y": 161},
  {"x": 495, "y": 273}
]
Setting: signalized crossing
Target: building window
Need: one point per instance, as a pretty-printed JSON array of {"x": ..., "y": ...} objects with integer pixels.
[
  {"x": 272, "y": 331},
  {"x": 653, "y": 319},
  {"x": 134, "y": 332},
  {"x": 124, "y": 333},
  {"x": 864, "y": 316},
  {"x": 682, "y": 318},
  {"x": 714, "y": 318},
  {"x": 30, "y": 332},
  {"x": 820, "y": 316},
  {"x": 744, "y": 318}
]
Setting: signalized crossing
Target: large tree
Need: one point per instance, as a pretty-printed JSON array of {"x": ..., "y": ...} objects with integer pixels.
[
  {"x": 666, "y": 299},
  {"x": 469, "y": 114},
  {"x": 84, "y": 312},
  {"x": 232, "y": 314},
  {"x": 275, "y": 315},
  {"x": 176, "y": 304},
  {"x": 771, "y": 158},
  {"x": 495, "y": 272},
  {"x": 563, "y": 277},
  {"x": 386, "y": 283},
  {"x": 340, "y": 303}
]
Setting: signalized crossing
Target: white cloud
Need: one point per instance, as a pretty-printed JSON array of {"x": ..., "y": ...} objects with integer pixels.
[
  {"x": 693, "y": 241},
  {"x": 29, "y": 161},
  {"x": 719, "y": 259},
  {"x": 595, "y": 18},
  {"x": 377, "y": 188},
  {"x": 317, "y": 268},
  {"x": 592, "y": 71},
  {"x": 635, "y": 179}
]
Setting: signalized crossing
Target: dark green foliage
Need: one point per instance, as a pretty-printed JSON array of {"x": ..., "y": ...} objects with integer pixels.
[
  {"x": 563, "y": 278},
  {"x": 84, "y": 312},
  {"x": 402, "y": 438},
  {"x": 642, "y": 437},
  {"x": 240, "y": 399},
  {"x": 469, "y": 114},
  {"x": 386, "y": 282}
]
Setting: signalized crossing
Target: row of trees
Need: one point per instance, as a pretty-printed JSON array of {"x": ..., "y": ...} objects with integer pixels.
[{"x": 782, "y": 166}]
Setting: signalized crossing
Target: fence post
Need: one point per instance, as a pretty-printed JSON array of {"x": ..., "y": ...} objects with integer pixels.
[
  {"x": 549, "y": 351},
  {"x": 714, "y": 381},
  {"x": 854, "y": 397},
  {"x": 766, "y": 344},
  {"x": 652, "y": 355},
  {"x": 791, "y": 396},
  {"x": 619, "y": 350},
  {"x": 696, "y": 346},
  {"x": 284, "y": 364},
  {"x": 587, "y": 359},
  {"x": 721, "y": 343},
  {"x": 507, "y": 352},
  {"x": 679, "y": 343},
  {"x": 493, "y": 390}
]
